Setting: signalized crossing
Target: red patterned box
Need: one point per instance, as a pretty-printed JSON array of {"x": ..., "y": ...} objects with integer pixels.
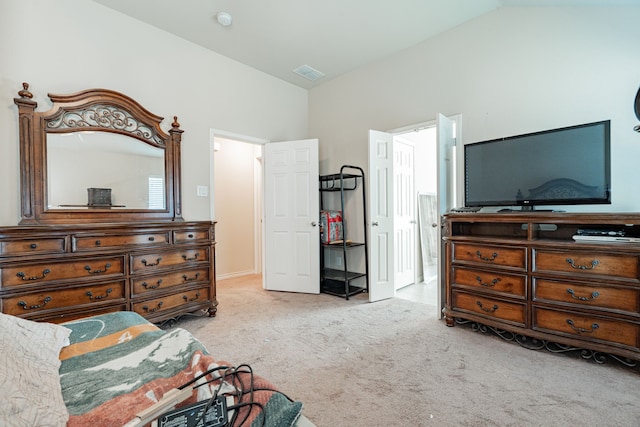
[{"x": 330, "y": 226}]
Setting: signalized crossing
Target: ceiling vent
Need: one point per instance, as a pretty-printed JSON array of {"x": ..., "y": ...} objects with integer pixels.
[{"x": 308, "y": 72}]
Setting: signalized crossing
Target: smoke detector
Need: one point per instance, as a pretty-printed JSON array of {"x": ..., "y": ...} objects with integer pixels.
[{"x": 224, "y": 18}]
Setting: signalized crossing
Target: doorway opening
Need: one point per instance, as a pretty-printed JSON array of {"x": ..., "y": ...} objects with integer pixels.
[
  {"x": 416, "y": 216},
  {"x": 416, "y": 250},
  {"x": 236, "y": 179},
  {"x": 259, "y": 187}
]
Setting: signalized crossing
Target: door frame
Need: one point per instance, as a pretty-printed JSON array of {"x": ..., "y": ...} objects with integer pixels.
[
  {"x": 459, "y": 177},
  {"x": 398, "y": 132},
  {"x": 258, "y": 189},
  {"x": 459, "y": 167}
]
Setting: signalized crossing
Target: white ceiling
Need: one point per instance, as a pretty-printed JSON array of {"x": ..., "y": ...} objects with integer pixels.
[{"x": 332, "y": 36}]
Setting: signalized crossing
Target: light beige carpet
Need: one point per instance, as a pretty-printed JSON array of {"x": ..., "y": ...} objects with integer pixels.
[{"x": 393, "y": 363}]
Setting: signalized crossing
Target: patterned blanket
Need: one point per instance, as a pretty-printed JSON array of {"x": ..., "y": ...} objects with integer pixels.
[{"x": 118, "y": 364}]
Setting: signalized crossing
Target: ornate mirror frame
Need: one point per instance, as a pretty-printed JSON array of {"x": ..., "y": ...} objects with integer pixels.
[{"x": 96, "y": 110}]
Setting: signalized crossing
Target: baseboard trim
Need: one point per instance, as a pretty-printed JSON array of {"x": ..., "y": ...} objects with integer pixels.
[{"x": 236, "y": 274}]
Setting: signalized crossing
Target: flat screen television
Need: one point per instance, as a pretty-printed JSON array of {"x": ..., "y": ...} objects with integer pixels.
[{"x": 566, "y": 166}]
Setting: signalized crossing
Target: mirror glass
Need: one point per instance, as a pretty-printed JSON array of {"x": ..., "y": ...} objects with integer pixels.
[{"x": 103, "y": 170}]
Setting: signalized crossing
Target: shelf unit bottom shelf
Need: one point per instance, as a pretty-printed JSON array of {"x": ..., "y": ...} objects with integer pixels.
[{"x": 338, "y": 288}]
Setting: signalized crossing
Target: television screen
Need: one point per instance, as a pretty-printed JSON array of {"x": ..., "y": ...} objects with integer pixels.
[{"x": 555, "y": 167}]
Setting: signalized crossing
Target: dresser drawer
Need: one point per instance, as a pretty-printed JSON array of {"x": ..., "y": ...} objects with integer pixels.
[
  {"x": 168, "y": 280},
  {"x": 35, "y": 302},
  {"x": 511, "y": 284},
  {"x": 96, "y": 241},
  {"x": 186, "y": 236},
  {"x": 584, "y": 295},
  {"x": 36, "y": 272},
  {"x": 149, "y": 262},
  {"x": 52, "y": 245},
  {"x": 489, "y": 307},
  {"x": 490, "y": 255},
  {"x": 68, "y": 316},
  {"x": 587, "y": 263},
  {"x": 586, "y": 327},
  {"x": 157, "y": 305}
]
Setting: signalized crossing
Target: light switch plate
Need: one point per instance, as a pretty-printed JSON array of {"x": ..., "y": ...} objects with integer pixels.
[{"x": 202, "y": 191}]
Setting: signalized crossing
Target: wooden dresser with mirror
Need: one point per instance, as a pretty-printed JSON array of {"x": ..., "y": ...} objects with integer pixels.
[{"x": 102, "y": 227}]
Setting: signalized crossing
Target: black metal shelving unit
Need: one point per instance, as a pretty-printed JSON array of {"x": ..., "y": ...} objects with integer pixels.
[{"x": 340, "y": 282}]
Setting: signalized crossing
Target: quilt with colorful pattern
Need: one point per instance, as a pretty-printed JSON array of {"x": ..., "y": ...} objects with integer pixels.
[{"x": 119, "y": 364}]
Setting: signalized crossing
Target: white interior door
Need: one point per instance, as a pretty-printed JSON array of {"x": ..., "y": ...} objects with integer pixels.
[
  {"x": 446, "y": 156},
  {"x": 381, "y": 253},
  {"x": 291, "y": 214},
  {"x": 405, "y": 214}
]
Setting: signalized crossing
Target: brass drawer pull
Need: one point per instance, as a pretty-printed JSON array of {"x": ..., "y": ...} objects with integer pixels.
[
  {"x": 487, "y": 310},
  {"x": 488, "y": 284},
  {"x": 90, "y": 271},
  {"x": 148, "y": 264},
  {"x": 33, "y": 246},
  {"x": 594, "y": 326},
  {"x": 583, "y": 267},
  {"x": 187, "y": 299},
  {"x": 594, "y": 295},
  {"x": 152, "y": 310},
  {"x": 156, "y": 286},
  {"x": 25, "y": 277},
  {"x": 483, "y": 258},
  {"x": 186, "y": 258},
  {"x": 35, "y": 307},
  {"x": 151, "y": 238},
  {"x": 99, "y": 297},
  {"x": 190, "y": 279}
]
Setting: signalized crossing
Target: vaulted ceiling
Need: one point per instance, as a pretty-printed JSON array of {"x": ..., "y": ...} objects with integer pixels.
[{"x": 329, "y": 36}]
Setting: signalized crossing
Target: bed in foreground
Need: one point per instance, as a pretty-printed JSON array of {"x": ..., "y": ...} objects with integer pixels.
[{"x": 109, "y": 370}]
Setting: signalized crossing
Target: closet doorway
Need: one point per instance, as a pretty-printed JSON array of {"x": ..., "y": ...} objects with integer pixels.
[
  {"x": 417, "y": 279},
  {"x": 236, "y": 180},
  {"x": 436, "y": 176}
]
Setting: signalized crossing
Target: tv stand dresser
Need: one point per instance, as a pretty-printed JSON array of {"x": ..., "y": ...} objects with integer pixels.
[{"x": 522, "y": 275}]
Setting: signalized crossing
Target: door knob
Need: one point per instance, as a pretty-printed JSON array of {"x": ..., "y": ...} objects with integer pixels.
[
  {"x": 434, "y": 225},
  {"x": 313, "y": 223},
  {"x": 374, "y": 224}
]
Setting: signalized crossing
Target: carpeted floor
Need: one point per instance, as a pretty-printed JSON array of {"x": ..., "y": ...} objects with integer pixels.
[{"x": 393, "y": 363}]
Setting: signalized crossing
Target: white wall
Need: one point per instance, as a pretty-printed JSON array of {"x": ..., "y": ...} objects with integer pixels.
[
  {"x": 65, "y": 46},
  {"x": 512, "y": 71}
]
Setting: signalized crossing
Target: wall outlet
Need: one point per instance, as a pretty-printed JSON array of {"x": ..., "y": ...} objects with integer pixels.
[{"x": 339, "y": 261}]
